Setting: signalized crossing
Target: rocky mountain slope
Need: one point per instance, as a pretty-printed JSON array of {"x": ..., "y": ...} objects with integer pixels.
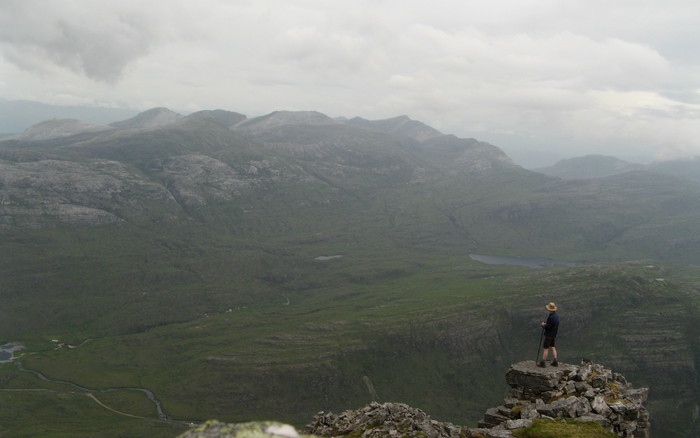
[{"x": 206, "y": 157}]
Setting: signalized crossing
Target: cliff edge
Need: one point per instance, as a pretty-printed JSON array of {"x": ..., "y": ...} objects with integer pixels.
[{"x": 589, "y": 393}]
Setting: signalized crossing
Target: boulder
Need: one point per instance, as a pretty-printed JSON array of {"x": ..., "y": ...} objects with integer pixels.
[
  {"x": 568, "y": 407},
  {"x": 265, "y": 429},
  {"x": 599, "y": 406},
  {"x": 535, "y": 380},
  {"x": 493, "y": 417},
  {"x": 517, "y": 424}
]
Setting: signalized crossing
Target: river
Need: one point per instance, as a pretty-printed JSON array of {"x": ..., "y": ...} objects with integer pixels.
[
  {"x": 159, "y": 408},
  {"x": 6, "y": 356}
]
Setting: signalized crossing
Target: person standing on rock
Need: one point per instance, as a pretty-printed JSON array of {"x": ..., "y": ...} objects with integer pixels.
[{"x": 551, "y": 326}]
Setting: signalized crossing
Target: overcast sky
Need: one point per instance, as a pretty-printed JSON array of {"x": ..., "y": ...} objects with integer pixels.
[{"x": 549, "y": 78}]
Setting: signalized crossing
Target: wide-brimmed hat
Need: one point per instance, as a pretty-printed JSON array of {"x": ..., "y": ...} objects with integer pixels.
[{"x": 551, "y": 307}]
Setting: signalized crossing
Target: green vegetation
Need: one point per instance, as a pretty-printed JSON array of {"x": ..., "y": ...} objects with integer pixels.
[
  {"x": 34, "y": 407},
  {"x": 57, "y": 415},
  {"x": 436, "y": 351},
  {"x": 562, "y": 429}
]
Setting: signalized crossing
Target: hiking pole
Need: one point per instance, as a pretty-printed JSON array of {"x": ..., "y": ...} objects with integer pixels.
[{"x": 539, "y": 346}]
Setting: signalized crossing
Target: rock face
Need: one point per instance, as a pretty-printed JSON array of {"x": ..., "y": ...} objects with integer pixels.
[
  {"x": 588, "y": 392},
  {"x": 43, "y": 193}
]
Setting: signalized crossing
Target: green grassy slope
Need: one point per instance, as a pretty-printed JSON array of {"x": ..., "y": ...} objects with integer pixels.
[{"x": 442, "y": 346}]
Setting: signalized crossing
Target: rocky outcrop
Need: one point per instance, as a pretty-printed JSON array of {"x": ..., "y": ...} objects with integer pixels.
[
  {"x": 588, "y": 392},
  {"x": 382, "y": 420},
  {"x": 46, "y": 193},
  {"x": 377, "y": 420},
  {"x": 192, "y": 179}
]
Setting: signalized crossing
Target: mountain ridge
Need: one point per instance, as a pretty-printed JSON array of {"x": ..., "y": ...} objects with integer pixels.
[
  {"x": 199, "y": 159},
  {"x": 152, "y": 118},
  {"x": 56, "y": 128},
  {"x": 18, "y": 115},
  {"x": 402, "y": 125}
]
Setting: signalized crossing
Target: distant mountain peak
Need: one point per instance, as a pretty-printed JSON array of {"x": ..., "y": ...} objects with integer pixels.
[
  {"x": 55, "y": 128},
  {"x": 222, "y": 117},
  {"x": 152, "y": 118},
  {"x": 589, "y": 166},
  {"x": 403, "y": 118},
  {"x": 287, "y": 118},
  {"x": 402, "y": 126},
  {"x": 687, "y": 167},
  {"x": 476, "y": 156}
]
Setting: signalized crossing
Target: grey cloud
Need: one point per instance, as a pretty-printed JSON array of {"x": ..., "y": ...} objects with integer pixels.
[
  {"x": 98, "y": 43},
  {"x": 590, "y": 72}
]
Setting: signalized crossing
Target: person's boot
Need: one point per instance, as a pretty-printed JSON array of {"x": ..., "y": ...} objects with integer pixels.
[
  {"x": 541, "y": 364},
  {"x": 555, "y": 362}
]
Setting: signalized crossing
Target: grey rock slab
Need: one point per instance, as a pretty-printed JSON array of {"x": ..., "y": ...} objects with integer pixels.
[{"x": 528, "y": 375}]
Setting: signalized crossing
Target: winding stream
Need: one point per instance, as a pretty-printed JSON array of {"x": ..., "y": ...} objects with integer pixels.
[{"x": 159, "y": 408}]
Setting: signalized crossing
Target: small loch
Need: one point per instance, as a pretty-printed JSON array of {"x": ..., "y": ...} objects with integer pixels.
[
  {"x": 331, "y": 257},
  {"x": 7, "y": 350},
  {"x": 530, "y": 262}
]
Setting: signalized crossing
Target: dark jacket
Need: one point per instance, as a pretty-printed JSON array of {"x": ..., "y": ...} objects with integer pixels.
[{"x": 550, "y": 330}]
